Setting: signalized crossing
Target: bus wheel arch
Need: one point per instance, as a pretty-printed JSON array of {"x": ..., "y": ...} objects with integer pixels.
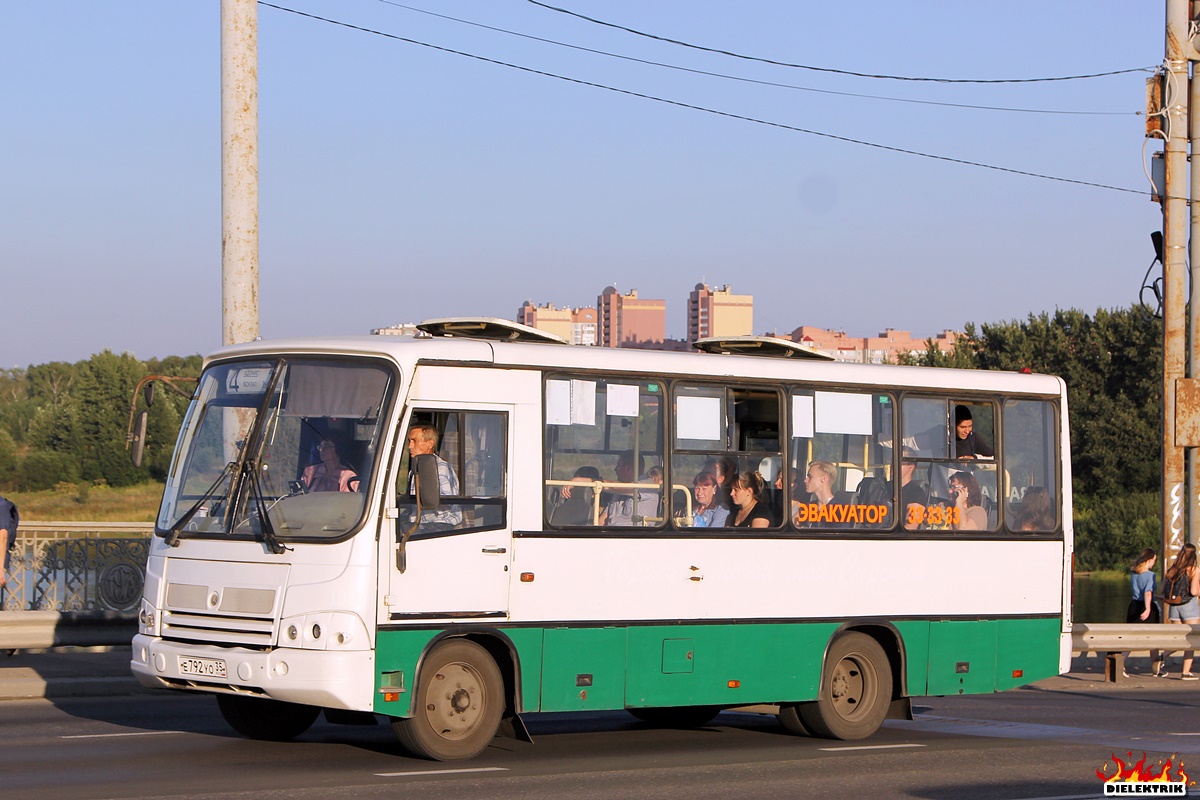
[
  {"x": 856, "y": 689},
  {"x": 459, "y": 700}
]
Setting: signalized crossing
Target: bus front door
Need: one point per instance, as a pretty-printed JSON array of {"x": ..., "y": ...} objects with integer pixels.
[{"x": 453, "y": 561}]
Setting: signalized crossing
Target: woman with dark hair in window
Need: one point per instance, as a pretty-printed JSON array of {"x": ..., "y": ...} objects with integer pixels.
[
  {"x": 746, "y": 491},
  {"x": 968, "y": 500},
  {"x": 1036, "y": 512},
  {"x": 967, "y": 443}
]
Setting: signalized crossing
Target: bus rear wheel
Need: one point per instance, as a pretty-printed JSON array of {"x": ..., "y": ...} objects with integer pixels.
[
  {"x": 856, "y": 689},
  {"x": 458, "y": 704},
  {"x": 262, "y": 718}
]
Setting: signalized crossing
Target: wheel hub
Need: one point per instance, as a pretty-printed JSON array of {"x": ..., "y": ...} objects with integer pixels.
[
  {"x": 453, "y": 707},
  {"x": 847, "y": 687}
]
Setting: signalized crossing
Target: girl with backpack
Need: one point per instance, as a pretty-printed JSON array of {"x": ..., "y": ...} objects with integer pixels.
[
  {"x": 1142, "y": 608},
  {"x": 1181, "y": 584}
]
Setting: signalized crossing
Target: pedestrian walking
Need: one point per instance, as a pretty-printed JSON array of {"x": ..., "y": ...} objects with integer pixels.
[
  {"x": 1181, "y": 584},
  {"x": 1143, "y": 608}
]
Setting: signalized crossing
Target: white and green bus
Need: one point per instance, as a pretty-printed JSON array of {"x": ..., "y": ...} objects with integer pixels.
[{"x": 449, "y": 531}]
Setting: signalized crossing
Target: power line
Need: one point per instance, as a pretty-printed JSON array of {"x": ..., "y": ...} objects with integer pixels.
[
  {"x": 704, "y": 109},
  {"x": 829, "y": 69},
  {"x": 753, "y": 80}
]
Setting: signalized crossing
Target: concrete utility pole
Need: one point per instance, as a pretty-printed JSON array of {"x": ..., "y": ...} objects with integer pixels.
[
  {"x": 239, "y": 171},
  {"x": 1188, "y": 398}
]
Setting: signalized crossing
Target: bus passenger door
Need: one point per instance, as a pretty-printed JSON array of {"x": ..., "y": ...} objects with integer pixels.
[{"x": 452, "y": 561}]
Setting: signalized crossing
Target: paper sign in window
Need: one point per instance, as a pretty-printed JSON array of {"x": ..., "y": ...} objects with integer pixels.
[
  {"x": 698, "y": 418},
  {"x": 802, "y": 417},
  {"x": 843, "y": 413},
  {"x": 558, "y": 403},
  {"x": 622, "y": 400},
  {"x": 583, "y": 402}
]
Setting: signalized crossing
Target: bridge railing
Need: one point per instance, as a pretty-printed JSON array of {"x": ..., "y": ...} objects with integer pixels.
[{"x": 73, "y": 567}]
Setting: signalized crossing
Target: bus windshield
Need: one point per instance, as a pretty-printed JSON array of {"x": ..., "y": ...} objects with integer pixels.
[{"x": 276, "y": 449}]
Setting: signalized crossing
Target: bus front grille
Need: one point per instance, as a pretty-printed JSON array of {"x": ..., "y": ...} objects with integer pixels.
[{"x": 219, "y": 629}]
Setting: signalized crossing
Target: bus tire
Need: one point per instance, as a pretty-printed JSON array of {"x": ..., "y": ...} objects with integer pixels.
[
  {"x": 789, "y": 718},
  {"x": 262, "y": 718},
  {"x": 856, "y": 689},
  {"x": 676, "y": 717},
  {"x": 458, "y": 703}
]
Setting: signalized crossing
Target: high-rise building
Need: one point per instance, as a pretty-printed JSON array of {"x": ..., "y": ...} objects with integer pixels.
[
  {"x": 626, "y": 318},
  {"x": 719, "y": 312},
  {"x": 882, "y": 349},
  {"x": 576, "y": 325}
]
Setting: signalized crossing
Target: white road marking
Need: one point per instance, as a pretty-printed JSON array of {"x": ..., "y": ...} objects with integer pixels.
[
  {"x": 115, "y": 735},
  {"x": 420, "y": 772},
  {"x": 871, "y": 747}
]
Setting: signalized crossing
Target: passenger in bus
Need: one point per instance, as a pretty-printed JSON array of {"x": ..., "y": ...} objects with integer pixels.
[
  {"x": 873, "y": 499},
  {"x": 422, "y": 440},
  {"x": 912, "y": 493},
  {"x": 1036, "y": 512},
  {"x": 746, "y": 491},
  {"x": 968, "y": 502},
  {"x": 709, "y": 512},
  {"x": 968, "y": 444},
  {"x": 331, "y": 474},
  {"x": 576, "y": 507},
  {"x": 629, "y": 506},
  {"x": 725, "y": 470},
  {"x": 825, "y": 509}
]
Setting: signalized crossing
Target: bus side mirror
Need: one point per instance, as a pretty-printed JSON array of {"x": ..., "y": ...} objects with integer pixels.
[
  {"x": 138, "y": 442},
  {"x": 428, "y": 487}
]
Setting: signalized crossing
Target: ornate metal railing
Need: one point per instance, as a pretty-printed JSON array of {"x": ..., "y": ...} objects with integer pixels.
[{"x": 77, "y": 566}]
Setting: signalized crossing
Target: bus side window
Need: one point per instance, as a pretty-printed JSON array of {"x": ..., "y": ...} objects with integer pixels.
[
  {"x": 471, "y": 448},
  {"x": 602, "y": 438},
  {"x": 1030, "y": 466},
  {"x": 844, "y": 441}
]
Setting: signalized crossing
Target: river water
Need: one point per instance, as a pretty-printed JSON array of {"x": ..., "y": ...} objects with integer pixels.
[{"x": 1101, "y": 597}]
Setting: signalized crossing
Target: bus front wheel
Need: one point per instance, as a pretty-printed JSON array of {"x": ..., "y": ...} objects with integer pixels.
[
  {"x": 458, "y": 704},
  {"x": 269, "y": 720},
  {"x": 856, "y": 689}
]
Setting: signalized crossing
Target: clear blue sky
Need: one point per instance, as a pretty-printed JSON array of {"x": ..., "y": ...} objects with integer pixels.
[{"x": 399, "y": 182}]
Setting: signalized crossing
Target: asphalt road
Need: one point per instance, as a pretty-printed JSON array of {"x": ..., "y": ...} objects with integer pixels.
[{"x": 1046, "y": 741}]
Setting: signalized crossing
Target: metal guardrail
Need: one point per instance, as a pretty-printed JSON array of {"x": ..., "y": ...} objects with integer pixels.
[
  {"x": 1116, "y": 641},
  {"x": 1104, "y": 638},
  {"x": 40, "y": 630},
  {"x": 77, "y": 567}
]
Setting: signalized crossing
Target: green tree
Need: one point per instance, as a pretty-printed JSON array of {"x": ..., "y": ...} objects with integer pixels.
[
  {"x": 105, "y": 389},
  {"x": 1111, "y": 363}
]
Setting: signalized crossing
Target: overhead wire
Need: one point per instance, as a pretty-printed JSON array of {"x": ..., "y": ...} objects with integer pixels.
[
  {"x": 831, "y": 70},
  {"x": 774, "y": 84},
  {"x": 704, "y": 109}
]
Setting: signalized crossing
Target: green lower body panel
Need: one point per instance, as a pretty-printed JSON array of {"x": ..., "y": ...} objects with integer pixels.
[{"x": 645, "y": 666}]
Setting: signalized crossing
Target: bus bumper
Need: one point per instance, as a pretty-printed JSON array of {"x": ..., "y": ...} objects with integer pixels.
[{"x": 329, "y": 679}]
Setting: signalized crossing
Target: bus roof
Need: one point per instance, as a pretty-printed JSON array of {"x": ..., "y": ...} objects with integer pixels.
[{"x": 407, "y": 351}]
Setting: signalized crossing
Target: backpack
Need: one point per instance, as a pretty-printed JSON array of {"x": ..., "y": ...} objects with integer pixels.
[{"x": 1178, "y": 591}]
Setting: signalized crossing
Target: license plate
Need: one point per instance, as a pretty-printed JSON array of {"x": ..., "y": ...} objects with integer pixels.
[{"x": 206, "y": 667}]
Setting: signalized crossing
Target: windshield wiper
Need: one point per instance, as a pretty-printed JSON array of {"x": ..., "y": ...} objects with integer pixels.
[
  {"x": 172, "y": 537},
  {"x": 269, "y": 537}
]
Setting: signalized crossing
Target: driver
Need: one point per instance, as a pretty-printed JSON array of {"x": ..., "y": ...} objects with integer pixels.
[{"x": 331, "y": 475}]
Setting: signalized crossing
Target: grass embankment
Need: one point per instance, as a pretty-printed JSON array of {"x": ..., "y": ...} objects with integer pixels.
[{"x": 69, "y": 502}]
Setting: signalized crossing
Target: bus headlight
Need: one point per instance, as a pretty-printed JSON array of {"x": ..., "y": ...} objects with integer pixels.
[{"x": 324, "y": 631}]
